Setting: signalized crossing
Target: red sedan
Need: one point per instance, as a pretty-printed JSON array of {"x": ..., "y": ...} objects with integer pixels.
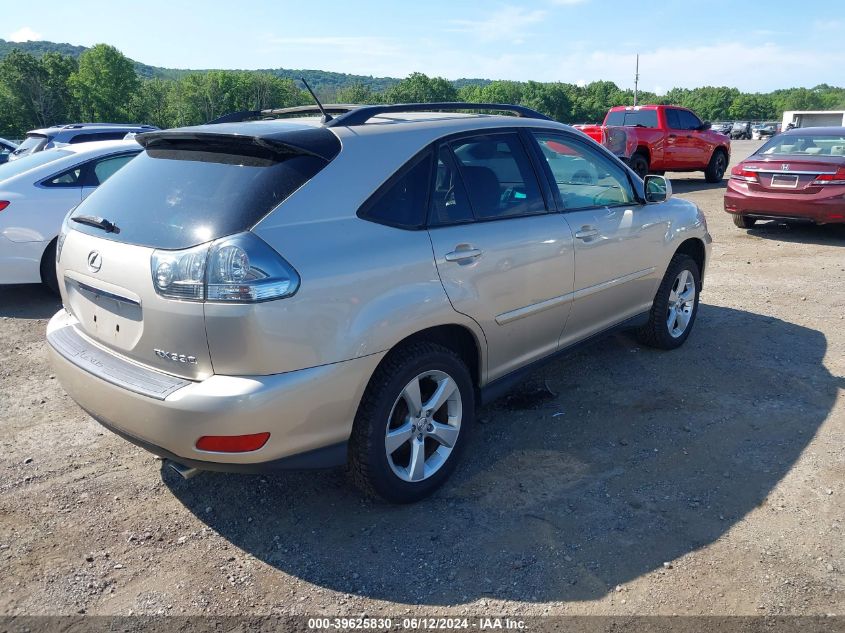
[{"x": 798, "y": 175}]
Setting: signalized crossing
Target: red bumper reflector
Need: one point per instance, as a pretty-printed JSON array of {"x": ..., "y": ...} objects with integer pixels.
[{"x": 232, "y": 443}]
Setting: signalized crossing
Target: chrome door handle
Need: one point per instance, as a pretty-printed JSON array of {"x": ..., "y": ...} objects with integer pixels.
[
  {"x": 461, "y": 255},
  {"x": 586, "y": 233}
]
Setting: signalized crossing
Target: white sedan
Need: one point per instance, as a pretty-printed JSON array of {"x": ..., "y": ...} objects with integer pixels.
[{"x": 37, "y": 191}]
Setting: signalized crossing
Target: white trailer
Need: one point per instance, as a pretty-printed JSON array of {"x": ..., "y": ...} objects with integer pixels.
[{"x": 813, "y": 118}]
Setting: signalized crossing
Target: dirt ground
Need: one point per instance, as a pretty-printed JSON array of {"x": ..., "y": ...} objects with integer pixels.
[{"x": 621, "y": 480}]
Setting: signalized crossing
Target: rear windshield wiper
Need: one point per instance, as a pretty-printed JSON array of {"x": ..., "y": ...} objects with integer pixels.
[{"x": 96, "y": 221}]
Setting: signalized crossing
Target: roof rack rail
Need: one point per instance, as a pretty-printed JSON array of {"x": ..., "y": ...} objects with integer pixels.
[
  {"x": 362, "y": 114},
  {"x": 350, "y": 114},
  {"x": 246, "y": 115}
]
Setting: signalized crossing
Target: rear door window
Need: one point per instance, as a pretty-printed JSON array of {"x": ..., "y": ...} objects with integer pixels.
[
  {"x": 673, "y": 121},
  {"x": 179, "y": 194},
  {"x": 498, "y": 176}
]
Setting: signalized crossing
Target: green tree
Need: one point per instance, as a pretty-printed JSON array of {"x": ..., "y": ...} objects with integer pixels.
[
  {"x": 419, "y": 88},
  {"x": 33, "y": 91},
  {"x": 105, "y": 84},
  {"x": 357, "y": 93}
]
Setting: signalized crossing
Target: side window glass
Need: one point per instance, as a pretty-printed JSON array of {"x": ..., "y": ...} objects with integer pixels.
[
  {"x": 498, "y": 176},
  {"x": 672, "y": 119},
  {"x": 449, "y": 200},
  {"x": 105, "y": 169},
  {"x": 69, "y": 178},
  {"x": 402, "y": 200},
  {"x": 583, "y": 177},
  {"x": 688, "y": 120}
]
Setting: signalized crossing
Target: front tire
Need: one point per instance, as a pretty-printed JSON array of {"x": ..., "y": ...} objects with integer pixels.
[
  {"x": 412, "y": 424},
  {"x": 716, "y": 167},
  {"x": 675, "y": 305},
  {"x": 639, "y": 163},
  {"x": 743, "y": 221}
]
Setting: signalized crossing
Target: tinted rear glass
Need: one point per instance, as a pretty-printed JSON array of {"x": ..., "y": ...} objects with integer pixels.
[
  {"x": 31, "y": 144},
  {"x": 176, "y": 198},
  {"x": 805, "y": 144},
  {"x": 643, "y": 118}
]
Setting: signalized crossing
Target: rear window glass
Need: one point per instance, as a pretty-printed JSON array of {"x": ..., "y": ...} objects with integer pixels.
[
  {"x": 25, "y": 163},
  {"x": 805, "y": 144},
  {"x": 174, "y": 198},
  {"x": 30, "y": 144},
  {"x": 635, "y": 118}
]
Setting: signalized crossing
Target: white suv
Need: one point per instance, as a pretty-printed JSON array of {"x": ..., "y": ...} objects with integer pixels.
[{"x": 310, "y": 292}]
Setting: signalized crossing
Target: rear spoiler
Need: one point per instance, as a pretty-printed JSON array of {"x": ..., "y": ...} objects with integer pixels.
[{"x": 306, "y": 142}]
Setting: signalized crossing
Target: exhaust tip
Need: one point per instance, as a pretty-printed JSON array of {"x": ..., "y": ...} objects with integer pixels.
[{"x": 186, "y": 472}]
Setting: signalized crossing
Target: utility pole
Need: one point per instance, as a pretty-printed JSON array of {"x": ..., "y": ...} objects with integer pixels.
[{"x": 636, "y": 78}]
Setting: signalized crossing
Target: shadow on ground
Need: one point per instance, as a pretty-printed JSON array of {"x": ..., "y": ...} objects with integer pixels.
[
  {"x": 689, "y": 183},
  {"x": 640, "y": 458},
  {"x": 823, "y": 235},
  {"x": 28, "y": 301}
]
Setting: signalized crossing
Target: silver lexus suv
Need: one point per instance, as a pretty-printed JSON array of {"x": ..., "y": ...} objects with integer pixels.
[{"x": 305, "y": 292}]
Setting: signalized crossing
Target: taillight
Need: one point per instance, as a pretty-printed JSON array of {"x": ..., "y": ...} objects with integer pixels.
[
  {"x": 239, "y": 269},
  {"x": 3, "y": 204},
  {"x": 827, "y": 179},
  {"x": 740, "y": 173}
]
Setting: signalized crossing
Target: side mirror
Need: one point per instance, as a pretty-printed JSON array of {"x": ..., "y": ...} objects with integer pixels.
[
  {"x": 657, "y": 189},
  {"x": 4, "y": 157},
  {"x": 704, "y": 126}
]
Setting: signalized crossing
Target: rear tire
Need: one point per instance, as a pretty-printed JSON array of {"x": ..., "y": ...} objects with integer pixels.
[
  {"x": 403, "y": 452},
  {"x": 675, "y": 305},
  {"x": 639, "y": 163},
  {"x": 716, "y": 167},
  {"x": 743, "y": 221},
  {"x": 48, "y": 268}
]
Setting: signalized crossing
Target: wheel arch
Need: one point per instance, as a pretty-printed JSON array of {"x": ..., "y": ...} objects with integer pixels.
[
  {"x": 462, "y": 340},
  {"x": 47, "y": 252},
  {"x": 694, "y": 248}
]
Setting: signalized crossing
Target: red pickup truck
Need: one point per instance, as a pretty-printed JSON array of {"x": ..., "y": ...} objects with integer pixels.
[{"x": 660, "y": 138}]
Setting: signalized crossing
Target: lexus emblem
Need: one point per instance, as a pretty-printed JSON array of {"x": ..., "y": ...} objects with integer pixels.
[
  {"x": 95, "y": 261},
  {"x": 785, "y": 167}
]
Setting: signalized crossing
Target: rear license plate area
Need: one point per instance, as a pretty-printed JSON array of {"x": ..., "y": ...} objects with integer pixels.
[{"x": 784, "y": 181}]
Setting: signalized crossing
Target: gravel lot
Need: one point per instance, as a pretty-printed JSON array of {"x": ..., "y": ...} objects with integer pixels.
[{"x": 622, "y": 480}]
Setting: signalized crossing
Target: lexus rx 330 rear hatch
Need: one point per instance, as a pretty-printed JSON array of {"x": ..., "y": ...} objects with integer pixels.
[{"x": 141, "y": 256}]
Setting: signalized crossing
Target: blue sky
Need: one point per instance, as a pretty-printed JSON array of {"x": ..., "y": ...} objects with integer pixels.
[{"x": 750, "y": 45}]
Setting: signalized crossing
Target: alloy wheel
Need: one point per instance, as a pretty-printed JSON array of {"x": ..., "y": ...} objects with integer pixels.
[
  {"x": 681, "y": 303},
  {"x": 423, "y": 426}
]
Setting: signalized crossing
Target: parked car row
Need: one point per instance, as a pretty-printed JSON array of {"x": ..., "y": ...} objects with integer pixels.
[
  {"x": 259, "y": 295},
  {"x": 74, "y": 133},
  {"x": 660, "y": 138}
]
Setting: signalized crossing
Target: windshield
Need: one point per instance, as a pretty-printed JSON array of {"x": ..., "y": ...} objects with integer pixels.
[
  {"x": 16, "y": 167},
  {"x": 805, "y": 144},
  {"x": 30, "y": 144},
  {"x": 174, "y": 198}
]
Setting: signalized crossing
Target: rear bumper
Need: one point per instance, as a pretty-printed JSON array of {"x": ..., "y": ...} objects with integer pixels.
[
  {"x": 827, "y": 206},
  {"x": 308, "y": 413}
]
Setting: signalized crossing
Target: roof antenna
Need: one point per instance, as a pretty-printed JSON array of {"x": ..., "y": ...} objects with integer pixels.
[{"x": 326, "y": 116}]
